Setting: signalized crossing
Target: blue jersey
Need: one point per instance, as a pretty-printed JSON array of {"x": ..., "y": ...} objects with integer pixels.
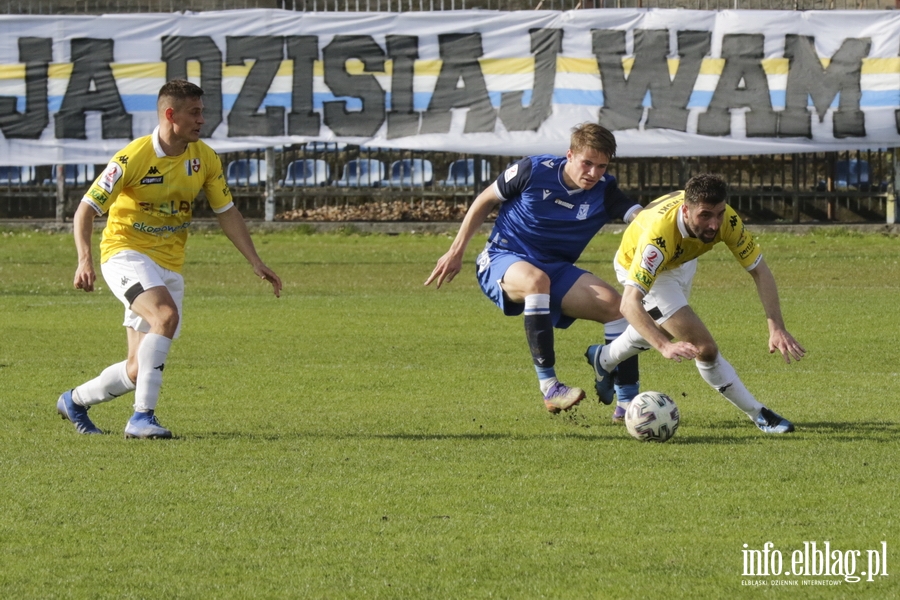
[{"x": 541, "y": 218}]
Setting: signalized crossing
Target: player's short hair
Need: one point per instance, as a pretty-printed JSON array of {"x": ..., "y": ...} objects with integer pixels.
[
  {"x": 594, "y": 136},
  {"x": 178, "y": 90},
  {"x": 705, "y": 188}
]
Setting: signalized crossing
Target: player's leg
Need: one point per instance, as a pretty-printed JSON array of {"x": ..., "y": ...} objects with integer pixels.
[
  {"x": 594, "y": 299},
  {"x": 718, "y": 372},
  {"x": 526, "y": 284},
  {"x": 147, "y": 353}
]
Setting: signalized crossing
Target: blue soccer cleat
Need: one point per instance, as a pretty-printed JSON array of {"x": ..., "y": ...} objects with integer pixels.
[
  {"x": 603, "y": 380},
  {"x": 144, "y": 425},
  {"x": 771, "y": 422},
  {"x": 75, "y": 413}
]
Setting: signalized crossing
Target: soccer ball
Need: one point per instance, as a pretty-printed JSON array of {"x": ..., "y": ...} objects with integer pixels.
[{"x": 652, "y": 417}]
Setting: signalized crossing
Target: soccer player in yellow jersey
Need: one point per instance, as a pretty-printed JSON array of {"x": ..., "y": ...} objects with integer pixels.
[
  {"x": 148, "y": 190},
  {"x": 656, "y": 263}
]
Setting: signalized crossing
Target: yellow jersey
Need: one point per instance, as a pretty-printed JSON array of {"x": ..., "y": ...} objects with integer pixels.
[
  {"x": 657, "y": 240},
  {"x": 150, "y": 196}
]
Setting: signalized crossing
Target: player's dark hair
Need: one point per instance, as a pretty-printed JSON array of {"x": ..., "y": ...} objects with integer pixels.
[
  {"x": 705, "y": 188},
  {"x": 179, "y": 89},
  {"x": 594, "y": 136}
]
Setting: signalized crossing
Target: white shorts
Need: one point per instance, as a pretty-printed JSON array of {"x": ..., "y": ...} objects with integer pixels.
[
  {"x": 670, "y": 291},
  {"x": 128, "y": 273}
]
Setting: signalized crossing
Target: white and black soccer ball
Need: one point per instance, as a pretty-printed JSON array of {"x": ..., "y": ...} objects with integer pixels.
[{"x": 652, "y": 417}]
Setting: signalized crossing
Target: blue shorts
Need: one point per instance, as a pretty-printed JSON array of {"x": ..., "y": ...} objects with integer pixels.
[{"x": 492, "y": 266}]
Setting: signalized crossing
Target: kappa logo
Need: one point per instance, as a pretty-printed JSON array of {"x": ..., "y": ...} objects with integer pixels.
[
  {"x": 124, "y": 281},
  {"x": 122, "y": 159},
  {"x": 548, "y": 163},
  {"x": 153, "y": 170}
]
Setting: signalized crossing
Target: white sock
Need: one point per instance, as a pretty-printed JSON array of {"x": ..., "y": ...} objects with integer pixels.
[
  {"x": 546, "y": 384},
  {"x": 614, "y": 329},
  {"x": 112, "y": 382},
  {"x": 151, "y": 356},
  {"x": 628, "y": 344},
  {"x": 724, "y": 379}
]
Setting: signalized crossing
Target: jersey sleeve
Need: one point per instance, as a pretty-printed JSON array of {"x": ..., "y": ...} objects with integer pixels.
[
  {"x": 217, "y": 192},
  {"x": 740, "y": 241},
  {"x": 618, "y": 205},
  {"x": 651, "y": 253},
  {"x": 102, "y": 193},
  {"x": 513, "y": 181}
]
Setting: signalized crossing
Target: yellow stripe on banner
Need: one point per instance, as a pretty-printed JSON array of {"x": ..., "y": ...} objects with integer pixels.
[{"x": 566, "y": 64}]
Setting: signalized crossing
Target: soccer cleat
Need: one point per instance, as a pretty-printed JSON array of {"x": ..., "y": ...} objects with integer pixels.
[
  {"x": 619, "y": 415},
  {"x": 603, "y": 381},
  {"x": 561, "y": 397},
  {"x": 771, "y": 422},
  {"x": 145, "y": 425},
  {"x": 75, "y": 413}
]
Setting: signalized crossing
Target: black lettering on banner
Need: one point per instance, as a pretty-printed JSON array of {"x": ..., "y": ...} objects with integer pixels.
[
  {"x": 341, "y": 121},
  {"x": 807, "y": 78},
  {"x": 742, "y": 84},
  {"x": 459, "y": 56},
  {"x": 303, "y": 50},
  {"x": 91, "y": 60},
  {"x": 546, "y": 44},
  {"x": 402, "y": 119},
  {"x": 177, "y": 51},
  {"x": 266, "y": 52},
  {"x": 36, "y": 54},
  {"x": 623, "y": 99}
]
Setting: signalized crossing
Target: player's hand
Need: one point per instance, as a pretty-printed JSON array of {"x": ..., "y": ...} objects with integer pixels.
[
  {"x": 784, "y": 342},
  {"x": 679, "y": 351},
  {"x": 446, "y": 269},
  {"x": 85, "y": 276},
  {"x": 267, "y": 274}
]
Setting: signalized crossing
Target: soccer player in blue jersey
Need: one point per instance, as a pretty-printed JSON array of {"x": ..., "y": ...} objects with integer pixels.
[{"x": 549, "y": 209}]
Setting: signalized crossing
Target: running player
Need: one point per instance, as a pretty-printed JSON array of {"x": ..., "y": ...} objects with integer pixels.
[
  {"x": 148, "y": 190},
  {"x": 656, "y": 263},
  {"x": 549, "y": 209}
]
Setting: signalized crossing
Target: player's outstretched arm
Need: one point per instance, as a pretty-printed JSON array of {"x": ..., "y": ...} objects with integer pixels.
[
  {"x": 83, "y": 228},
  {"x": 450, "y": 264},
  {"x": 232, "y": 223},
  {"x": 633, "y": 310},
  {"x": 779, "y": 338}
]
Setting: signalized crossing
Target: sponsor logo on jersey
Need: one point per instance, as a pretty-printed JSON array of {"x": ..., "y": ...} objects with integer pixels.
[
  {"x": 151, "y": 180},
  {"x": 583, "y": 212},
  {"x": 548, "y": 163},
  {"x": 98, "y": 196},
  {"x": 746, "y": 251},
  {"x": 568, "y": 205},
  {"x": 547, "y": 193},
  {"x": 110, "y": 176},
  {"x": 511, "y": 172},
  {"x": 651, "y": 259}
]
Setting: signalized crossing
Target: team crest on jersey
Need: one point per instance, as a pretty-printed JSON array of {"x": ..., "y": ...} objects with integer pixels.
[
  {"x": 583, "y": 212},
  {"x": 511, "y": 172},
  {"x": 111, "y": 175},
  {"x": 651, "y": 259},
  {"x": 192, "y": 166}
]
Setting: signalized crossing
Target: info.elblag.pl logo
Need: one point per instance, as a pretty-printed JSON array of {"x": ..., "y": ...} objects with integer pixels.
[{"x": 814, "y": 560}]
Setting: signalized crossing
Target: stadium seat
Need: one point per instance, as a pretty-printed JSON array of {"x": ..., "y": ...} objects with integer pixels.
[
  {"x": 244, "y": 172},
  {"x": 306, "y": 172},
  {"x": 411, "y": 172},
  {"x": 325, "y": 146},
  {"x": 16, "y": 175},
  {"x": 73, "y": 175},
  {"x": 462, "y": 172},
  {"x": 362, "y": 172}
]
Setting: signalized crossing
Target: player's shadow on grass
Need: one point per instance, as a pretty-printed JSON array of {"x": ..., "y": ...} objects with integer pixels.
[{"x": 854, "y": 430}]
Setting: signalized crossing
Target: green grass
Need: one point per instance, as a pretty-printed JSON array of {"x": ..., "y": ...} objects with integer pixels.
[{"x": 366, "y": 437}]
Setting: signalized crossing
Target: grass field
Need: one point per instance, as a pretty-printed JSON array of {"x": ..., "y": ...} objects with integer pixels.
[{"x": 366, "y": 437}]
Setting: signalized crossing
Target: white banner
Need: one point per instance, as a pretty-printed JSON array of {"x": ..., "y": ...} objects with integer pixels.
[{"x": 75, "y": 89}]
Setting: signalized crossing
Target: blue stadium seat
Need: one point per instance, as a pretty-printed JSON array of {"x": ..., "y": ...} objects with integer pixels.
[
  {"x": 246, "y": 172},
  {"x": 411, "y": 172},
  {"x": 306, "y": 172},
  {"x": 362, "y": 172},
  {"x": 462, "y": 173}
]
